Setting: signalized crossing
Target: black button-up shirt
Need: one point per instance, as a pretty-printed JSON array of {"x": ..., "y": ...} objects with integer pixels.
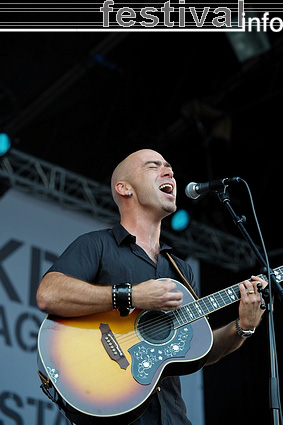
[{"x": 111, "y": 256}]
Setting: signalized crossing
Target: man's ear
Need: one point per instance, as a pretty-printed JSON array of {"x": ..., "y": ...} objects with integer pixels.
[{"x": 123, "y": 188}]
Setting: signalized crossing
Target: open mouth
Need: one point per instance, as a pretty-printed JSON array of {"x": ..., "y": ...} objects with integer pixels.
[{"x": 167, "y": 188}]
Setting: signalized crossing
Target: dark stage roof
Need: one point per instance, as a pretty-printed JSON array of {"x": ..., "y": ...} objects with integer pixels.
[{"x": 85, "y": 100}]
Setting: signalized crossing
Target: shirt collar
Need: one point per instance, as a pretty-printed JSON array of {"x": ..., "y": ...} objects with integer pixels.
[{"x": 122, "y": 235}]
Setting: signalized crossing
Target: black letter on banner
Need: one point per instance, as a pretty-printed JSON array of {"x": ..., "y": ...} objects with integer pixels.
[
  {"x": 19, "y": 330},
  {"x": 4, "y": 329},
  {"x": 36, "y": 273},
  {"x": 41, "y": 405},
  {"x": 6, "y": 410},
  {"x": 7, "y": 250}
]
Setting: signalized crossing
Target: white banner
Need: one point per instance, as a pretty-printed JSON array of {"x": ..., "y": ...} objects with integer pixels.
[{"x": 33, "y": 233}]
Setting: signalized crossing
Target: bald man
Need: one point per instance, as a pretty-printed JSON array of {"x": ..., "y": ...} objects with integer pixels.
[{"x": 90, "y": 276}]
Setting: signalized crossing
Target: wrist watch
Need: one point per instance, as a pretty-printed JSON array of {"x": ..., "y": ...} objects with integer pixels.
[{"x": 242, "y": 333}]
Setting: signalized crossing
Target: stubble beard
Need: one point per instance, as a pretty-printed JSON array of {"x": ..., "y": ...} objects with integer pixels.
[{"x": 169, "y": 209}]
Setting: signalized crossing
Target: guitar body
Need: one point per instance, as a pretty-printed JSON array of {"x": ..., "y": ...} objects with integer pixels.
[{"x": 104, "y": 365}]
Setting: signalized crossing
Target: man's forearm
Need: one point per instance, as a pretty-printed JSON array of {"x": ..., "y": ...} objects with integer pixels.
[
  {"x": 65, "y": 296},
  {"x": 225, "y": 341}
]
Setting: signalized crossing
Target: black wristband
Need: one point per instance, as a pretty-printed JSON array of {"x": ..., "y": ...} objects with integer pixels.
[
  {"x": 122, "y": 298},
  {"x": 114, "y": 296}
]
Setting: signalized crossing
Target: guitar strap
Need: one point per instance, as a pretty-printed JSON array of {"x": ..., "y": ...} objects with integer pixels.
[{"x": 184, "y": 280}]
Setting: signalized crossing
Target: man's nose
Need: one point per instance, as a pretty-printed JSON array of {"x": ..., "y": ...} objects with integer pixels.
[{"x": 167, "y": 171}]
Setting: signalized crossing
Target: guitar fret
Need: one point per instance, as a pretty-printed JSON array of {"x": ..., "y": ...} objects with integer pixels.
[
  {"x": 222, "y": 299},
  {"x": 232, "y": 294},
  {"x": 198, "y": 308},
  {"x": 208, "y": 304},
  {"x": 177, "y": 317},
  {"x": 189, "y": 312},
  {"x": 219, "y": 299},
  {"x": 261, "y": 276},
  {"x": 181, "y": 315},
  {"x": 279, "y": 274},
  {"x": 184, "y": 317},
  {"x": 213, "y": 301},
  {"x": 204, "y": 307},
  {"x": 194, "y": 312},
  {"x": 279, "y": 271}
]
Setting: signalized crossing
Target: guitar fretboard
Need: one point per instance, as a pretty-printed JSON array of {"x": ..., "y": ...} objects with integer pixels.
[{"x": 204, "y": 306}]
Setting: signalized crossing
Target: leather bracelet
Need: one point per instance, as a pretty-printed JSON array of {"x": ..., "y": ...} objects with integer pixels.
[
  {"x": 122, "y": 298},
  {"x": 114, "y": 297}
]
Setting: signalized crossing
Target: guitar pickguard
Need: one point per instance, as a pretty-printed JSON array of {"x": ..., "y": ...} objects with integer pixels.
[{"x": 146, "y": 357}]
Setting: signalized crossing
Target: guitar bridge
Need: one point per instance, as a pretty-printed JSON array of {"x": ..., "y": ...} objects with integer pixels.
[{"x": 112, "y": 347}]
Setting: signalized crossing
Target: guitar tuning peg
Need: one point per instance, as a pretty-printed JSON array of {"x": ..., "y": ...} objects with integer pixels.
[{"x": 262, "y": 303}]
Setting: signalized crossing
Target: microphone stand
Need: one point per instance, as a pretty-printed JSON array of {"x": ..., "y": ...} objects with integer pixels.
[{"x": 274, "y": 285}]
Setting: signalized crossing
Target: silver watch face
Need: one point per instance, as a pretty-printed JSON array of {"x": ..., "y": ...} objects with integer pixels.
[
  {"x": 247, "y": 333},
  {"x": 242, "y": 332}
]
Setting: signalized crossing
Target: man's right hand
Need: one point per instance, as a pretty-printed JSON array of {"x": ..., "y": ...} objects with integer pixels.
[{"x": 156, "y": 295}]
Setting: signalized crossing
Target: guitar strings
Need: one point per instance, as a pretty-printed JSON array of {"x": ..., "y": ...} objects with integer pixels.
[
  {"x": 156, "y": 325},
  {"x": 160, "y": 323}
]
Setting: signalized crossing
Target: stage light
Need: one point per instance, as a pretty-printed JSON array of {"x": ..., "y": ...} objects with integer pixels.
[
  {"x": 246, "y": 44},
  {"x": 5, "y": 144},
  {"x": 180, "y": 220}
]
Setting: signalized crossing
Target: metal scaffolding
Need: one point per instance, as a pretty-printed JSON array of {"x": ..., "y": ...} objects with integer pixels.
[{"x": 30, "y": 174}]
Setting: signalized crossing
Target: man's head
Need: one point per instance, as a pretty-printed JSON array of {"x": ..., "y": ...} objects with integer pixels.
[{"x": 144, "y": 181}]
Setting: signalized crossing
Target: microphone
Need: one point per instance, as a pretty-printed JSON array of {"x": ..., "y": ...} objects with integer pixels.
[{"x": 194, "y": 190}]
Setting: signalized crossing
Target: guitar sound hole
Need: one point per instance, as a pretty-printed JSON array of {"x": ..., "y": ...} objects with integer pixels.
[{"x": 156, "y": 327}]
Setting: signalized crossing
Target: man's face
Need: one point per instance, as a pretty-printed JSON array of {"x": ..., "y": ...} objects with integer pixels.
[{"x": 153, "y": 182}]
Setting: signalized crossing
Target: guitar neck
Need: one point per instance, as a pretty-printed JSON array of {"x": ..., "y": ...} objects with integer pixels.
[{"x": 206, "y": 305}]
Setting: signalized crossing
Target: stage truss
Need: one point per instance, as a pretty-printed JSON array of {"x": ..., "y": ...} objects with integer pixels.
[{"x": 30, "y": 174}]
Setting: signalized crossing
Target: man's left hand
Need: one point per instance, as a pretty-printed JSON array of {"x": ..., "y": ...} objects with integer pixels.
[{"x": 249, "y": 309}]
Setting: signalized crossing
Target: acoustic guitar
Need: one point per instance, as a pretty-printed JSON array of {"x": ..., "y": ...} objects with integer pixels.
[{"x": 104, "y": 365}]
